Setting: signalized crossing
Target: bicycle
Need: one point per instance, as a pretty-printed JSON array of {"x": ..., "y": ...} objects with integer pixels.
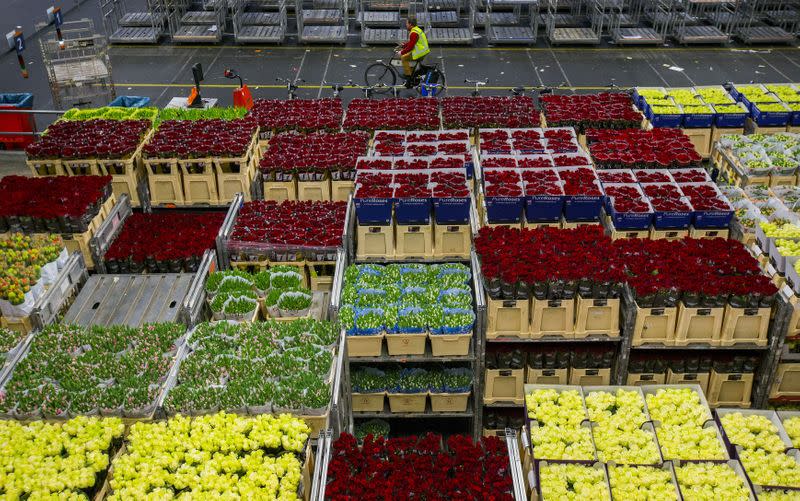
[
  {"x": 478, "y": 84},
  {"x": 291, "y": 86},
  {"x": 338, "y": 88},
  {"x": 382, "y": 77}
]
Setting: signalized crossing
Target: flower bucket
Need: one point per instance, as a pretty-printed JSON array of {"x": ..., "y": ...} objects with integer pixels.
[
  {"x": 406, "y": 343},
  {"x": 449, "y": 402},
  {"x": 403, "y": 403}
]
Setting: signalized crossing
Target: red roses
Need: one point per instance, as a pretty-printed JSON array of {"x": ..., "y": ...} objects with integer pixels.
[
  {"x": 298, "y": 114},
  {"x": 418, "y": 468},
  {"x": 313, "y": 154},
  {"x": 660, "y": 148}
]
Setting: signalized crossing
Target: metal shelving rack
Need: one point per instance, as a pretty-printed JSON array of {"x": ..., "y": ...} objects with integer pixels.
[
  {"x": 688, "y": 18},
  {"x": 751, "y": 29},
  {"x": 784, "y": 13},
  {"x": 79, "y": 72},
  {"x": 125, "y": 26},
  {"x": 259, "y": 21},
  {"x": 597, "y": 11},
  {"x": 633, "y": 33},
  {"x": 196, "y": 21},
  {"x": 318, "y": 23},
  {"x": 381, "y": 21},
  {"x": 448, "y": 21},
  {"x": 520, "y": 26}
]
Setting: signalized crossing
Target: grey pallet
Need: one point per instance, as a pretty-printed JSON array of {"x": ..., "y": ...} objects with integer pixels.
[
  {"x": 377, "y": 19},
  {"x": 497, "y": 19},
  {"x": 140, "y": 19},
  {"x": 387, "y": 5},
  {"x": 383, "y": 36},
  {"x": 327, "y": 4},
  {"x": 723, "y": 18},
  {"x": 135, "y": 35},
  {"x": 574, "y": 36},
  {"x": 782, "y": 16},
  {"x": 510, "y": 34},
  {"x": 565, "y": 20},
  {"x": 625, "y": 21},
  {"x": 258, "y": 34},
  {"x": 450, "y": 36},
  {"x": 442, "y": 4},
  {"x": 322, "y": 16},
  {"x": 765, "y": 34},
  {"x": 443, "y": 19},
  {"x": 198, "y": 17},
  {"x": 701, "y": 34},
  {"x": 637, "y": 36},
  {"x": 261, "y": 18},
  {"x": 196, "y": 33},
  {"x": 324, "y": 34},
  {"x": 131, "y": 300}
]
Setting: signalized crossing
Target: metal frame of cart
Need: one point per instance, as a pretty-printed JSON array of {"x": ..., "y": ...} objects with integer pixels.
[
  {"x": 123, "y": 25},
  {"x": 196, "y": 21},
  {"x": 572, "y": 30},
  {"x": 519, "y": 26},
  {"x": 259, "y": 21},
  {"x": 322, "y": 22}
]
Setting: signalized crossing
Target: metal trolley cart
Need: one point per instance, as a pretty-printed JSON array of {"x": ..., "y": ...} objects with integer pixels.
[
  {"x": 752, "y": 30},
  {"x": 577, "y": 33},
  {"x": 633, "y": 33},
  {"x": 689, "y": 28},
  {"x": 380, "y": 21},
  {"x": 259, "y": 21},
  {"x": 520, "y": 26},
  {"x": 448, "y": 21},
  {"x": 196, "y": 21},
  {"x": 322, "y": 23},
  {"x": 126, "y": 26},
  {"x": 79, "y": 72}
]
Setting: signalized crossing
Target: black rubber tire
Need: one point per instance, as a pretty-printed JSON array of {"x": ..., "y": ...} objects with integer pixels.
[{"x": 381, "y": 77}]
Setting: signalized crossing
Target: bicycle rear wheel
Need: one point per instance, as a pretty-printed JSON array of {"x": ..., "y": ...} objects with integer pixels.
[
  {"x": 381, "y": 77},
  {"x": 437, "y": 82}
]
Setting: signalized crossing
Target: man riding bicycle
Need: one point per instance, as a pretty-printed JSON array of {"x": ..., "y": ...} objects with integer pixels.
[{"x": 414, "y": 50}]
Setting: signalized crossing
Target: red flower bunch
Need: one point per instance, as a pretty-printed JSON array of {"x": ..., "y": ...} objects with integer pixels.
[
  {"x": 666, "y": 198},
  {"x": 291, "y": 223},
  {"x": 202, "y": 138},
  {"x": 571, "y": 160},
  {"x": 586, "y": 111},
  {"x": 705, "y": 197},
  {"x": 542, "y": 182},
  {"x": 298, "y": 114},
  {"x": 46, "y": 199},
  {"x": 708, "y": 267},
  {"x": 495, "y": 141},
  {"x": 660, "y": 148},
  {"x": 101, "y": 139},
  {"x": 448, "y": 162},
  {"x": 616, "y": 176},
  {"x": 499, "y": 162},
  {"x": 373, "y": 164},
  {"x": 373, "y": 186},
  {"x": 502, "y": 183},
  {"x": 394, "y": 113},
  {"x": 418, "y": 468},
  {"x": 652, "y": 176},
  {"x": 534, "y": 162},
  {"x": 489, "y": 111},
  {"x": 170, "y": 241},
  {"x": 449, "y": 184},
  {"x": 697, "y": 175},
  {"x": 414, "y": 164},
  {"x": 412, "y": 186},
  {"x": 421, "y": 150},
  {"x": 319, "y": 153},
  {"x": 580, "y": 181},
  {"x": 626, "y": 198},
  {"x": 561, "y": 140}
]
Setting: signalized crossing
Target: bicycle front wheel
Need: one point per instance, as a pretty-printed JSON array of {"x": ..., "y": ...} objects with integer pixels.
[{"x": 380, "y": 77}]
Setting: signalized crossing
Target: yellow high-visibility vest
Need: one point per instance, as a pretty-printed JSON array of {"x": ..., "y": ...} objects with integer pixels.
[{"x": 421, "y": 48}]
